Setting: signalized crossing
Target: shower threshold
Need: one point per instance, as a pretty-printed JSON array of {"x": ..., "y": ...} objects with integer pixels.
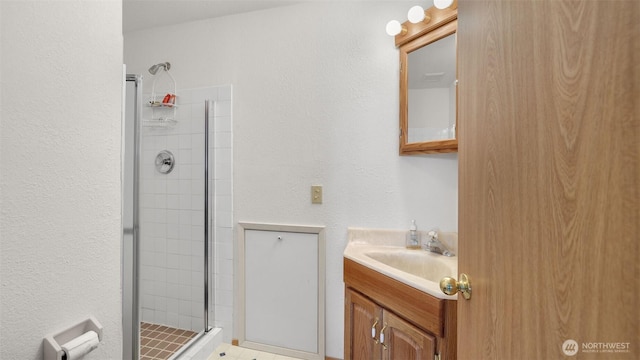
[{"x": 160, "y": 342}]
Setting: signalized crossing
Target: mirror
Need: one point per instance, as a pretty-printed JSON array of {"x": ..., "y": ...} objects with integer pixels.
[{"x": 428, "y": 91}]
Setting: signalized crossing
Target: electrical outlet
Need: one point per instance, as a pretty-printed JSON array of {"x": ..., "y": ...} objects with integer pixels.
[{"x": 316, "y": 194}]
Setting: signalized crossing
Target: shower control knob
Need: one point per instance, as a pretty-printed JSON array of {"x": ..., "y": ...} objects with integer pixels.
[{"x": 165, "y": 162}]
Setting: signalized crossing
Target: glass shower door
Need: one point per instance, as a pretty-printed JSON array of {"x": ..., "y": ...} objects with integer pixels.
[
  {"x": 165, "y": 231},
  {"x": 173, "y": 250}
]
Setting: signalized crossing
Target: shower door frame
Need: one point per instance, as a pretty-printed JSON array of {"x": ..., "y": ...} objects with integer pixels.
[
  {"x": 207, "y": 234},
  {"x": 131, "y": 350},
  {"x": 132, "y": 322}
]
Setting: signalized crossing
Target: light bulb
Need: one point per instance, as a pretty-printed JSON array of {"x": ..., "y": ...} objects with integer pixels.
[
  {"x": 415, "y": 14},
  {"x": 394, "y": 28},
  {"x": 442, "y": 4}
]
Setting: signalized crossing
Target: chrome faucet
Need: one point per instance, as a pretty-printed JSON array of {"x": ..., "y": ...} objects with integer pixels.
[{"x": 434, "y": 245}]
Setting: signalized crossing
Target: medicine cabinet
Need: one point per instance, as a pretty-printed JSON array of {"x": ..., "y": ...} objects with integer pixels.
[{"x": 428, "y": 84}]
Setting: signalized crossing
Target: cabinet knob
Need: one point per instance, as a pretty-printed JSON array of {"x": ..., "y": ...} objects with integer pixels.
[{"x": 450, "y": 286}]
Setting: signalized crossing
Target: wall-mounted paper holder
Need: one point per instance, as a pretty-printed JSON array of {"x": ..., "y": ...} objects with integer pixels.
[{"x": 53, "y": 343}]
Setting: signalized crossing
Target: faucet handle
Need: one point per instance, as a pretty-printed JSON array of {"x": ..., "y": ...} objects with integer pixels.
[{"x": 433, "y": 234}]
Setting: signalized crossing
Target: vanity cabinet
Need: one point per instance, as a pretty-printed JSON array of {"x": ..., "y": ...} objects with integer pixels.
[
  {"x": 388, "y": 320},
  {"x": 401, "y": 340},
  {"x": 405, "y": 341},
  {"x": 362, "y": 320}
]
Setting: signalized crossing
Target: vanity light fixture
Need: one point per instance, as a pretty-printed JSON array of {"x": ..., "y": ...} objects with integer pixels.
[
  {"x": 443, "y": 4},
  {"x": 417, "y": 14},
  {"x": 394, "y": 28}
]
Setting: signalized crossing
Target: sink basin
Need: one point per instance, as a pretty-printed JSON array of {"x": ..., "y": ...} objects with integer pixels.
[
  {"x": 417, "y": 268},
  {"x": 384, "y": 251},
  {"x": 432, "y": 267}
]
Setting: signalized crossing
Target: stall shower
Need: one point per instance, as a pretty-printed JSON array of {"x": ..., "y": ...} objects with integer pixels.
[{"x": 177, "y": 223}]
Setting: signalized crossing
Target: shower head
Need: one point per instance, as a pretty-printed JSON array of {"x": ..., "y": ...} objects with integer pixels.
[{"x": 154, "y": 69}]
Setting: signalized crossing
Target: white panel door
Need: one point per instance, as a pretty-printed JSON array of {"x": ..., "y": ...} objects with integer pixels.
[{"x": 281, "y": 289}]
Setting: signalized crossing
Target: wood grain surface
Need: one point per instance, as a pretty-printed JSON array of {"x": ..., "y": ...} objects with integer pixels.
[{"x": 549, "y": 167}]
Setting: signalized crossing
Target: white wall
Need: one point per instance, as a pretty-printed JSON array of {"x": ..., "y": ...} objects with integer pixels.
[
  {"x": 315, "y": 102},
  {"x": 61, "y": 88}
]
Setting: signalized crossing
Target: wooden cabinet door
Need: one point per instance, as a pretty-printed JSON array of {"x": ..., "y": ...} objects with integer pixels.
[
  {"x": 404, "y": 341},
  {"x": 361, "y": 315}
]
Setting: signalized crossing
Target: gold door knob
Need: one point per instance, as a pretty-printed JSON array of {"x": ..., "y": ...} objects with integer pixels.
[{"x": 450, "y": 286}]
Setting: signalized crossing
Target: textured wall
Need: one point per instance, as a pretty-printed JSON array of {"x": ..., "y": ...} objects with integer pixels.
[
  {"x": 315, "y": 102},
  {"x": 60, "y": 172}
]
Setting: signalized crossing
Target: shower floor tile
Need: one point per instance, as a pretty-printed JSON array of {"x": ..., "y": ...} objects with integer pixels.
[{"x": 159, "y": 342}]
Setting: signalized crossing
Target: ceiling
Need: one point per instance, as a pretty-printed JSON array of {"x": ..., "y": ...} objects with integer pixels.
[{"x": 146, "y": 14}]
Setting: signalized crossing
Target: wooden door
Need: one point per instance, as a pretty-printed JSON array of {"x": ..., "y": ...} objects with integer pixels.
[
  {"x": 361, "y": 315},
  {"x": 549, "y": 178},
  {"x": 404, "y": 341}
]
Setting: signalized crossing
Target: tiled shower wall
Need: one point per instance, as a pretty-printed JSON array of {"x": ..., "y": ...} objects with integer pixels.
[{"x": 172, "y": 214}]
